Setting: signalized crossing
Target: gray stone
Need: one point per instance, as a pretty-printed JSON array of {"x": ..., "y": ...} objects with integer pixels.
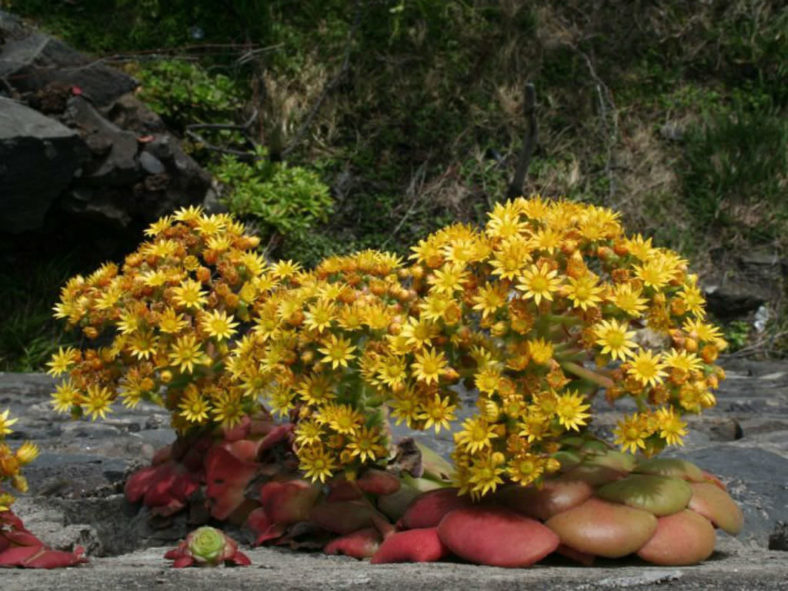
[
  {"x": 151, "y": 164},
  {"x": 38, "y": 158},
  {"x": 119, "y": 166}
]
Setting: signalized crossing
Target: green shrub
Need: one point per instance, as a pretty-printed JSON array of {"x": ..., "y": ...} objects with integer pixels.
[
  {"x": 279, "y": 198},
  {"x": 184, "y": 92}
]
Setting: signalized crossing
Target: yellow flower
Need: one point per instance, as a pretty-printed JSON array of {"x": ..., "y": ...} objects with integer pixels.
[
  {"x": 510, "y": 258},
  {"x": 285, "y": 269},
  {"x": 539, "y": 282},
  {"x": 419, "y": 333},
  {"x": 366, "y": 444},
  {"x": 692, "y": 297},
  {"x": 682, "y": 360},
  {"x": 158, "y": 226},
  {"x": 541, "y": 351},
  {"x": 27, "y": 452},
  {"x": 320, "y": 315},
  {"x": 571, "y": 410},
  {"x": 525, "y": 468},
  {"x": 584, "y": 292},
  {"x": 194, "y": 408},
  {"x": 632, "y": 432},
  {"x": 62, "y": 361},
  {"x": 546, "y": 239},
  {"x": 405, "y": 407},
  {"x": 614, "y": 338},
  {"x": 219, "y": 325},
  {"x": 429, "y": 365},
  {"x": 628, "y": 299},
  {"x": 143, "y": 344},
  {"x": 342, "y": 418},
  {"x": 703, "y": 331},
  {"x": 476, "y": 434},
  {"x": 188, "y": 214},
  {"x": 171, "y": 322},
  {"x": 646, "y": 367},
  {"x": 485, "y": 473},
  {"x": 671, "y": 427},
  {"x": 316, "y": 389},
  {"x": 65, "y": 396},
  {"x": 228, "y": 408},
  {"x": 390, "y": 371},
  {"x": 490, "y": 298},
  {"x": 654, "y": 273},
  {"x": 434, "y": 306},
  {"x": 308, "y": 432},
  {"x": 189, "y": 294},
  {"x": 337, "y": 351},
  {"x": 437, "y": 412},
  {"x": 97, "y": 402},
  {"x": 316, "y": 463},
  {"x": 5, "y": 423},
  {"x": 185, "y": 353},
  {"x": 447, "y": 279},
  {"x": 488, "y": 380},
  {"x": 504, "y": 221},
  {"x": 129, "y": 322}
]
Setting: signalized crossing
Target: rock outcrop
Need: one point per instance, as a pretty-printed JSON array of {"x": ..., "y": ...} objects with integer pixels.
[{"x": 76, "y": 145}]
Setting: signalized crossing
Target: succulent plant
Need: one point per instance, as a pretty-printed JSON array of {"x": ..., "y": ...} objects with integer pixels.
[
  {"x": 281, "y": 383},
  {"x": 207, "y": 546}
]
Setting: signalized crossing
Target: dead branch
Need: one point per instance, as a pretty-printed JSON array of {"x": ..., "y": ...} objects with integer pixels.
[{"x": 529, "y": 143}]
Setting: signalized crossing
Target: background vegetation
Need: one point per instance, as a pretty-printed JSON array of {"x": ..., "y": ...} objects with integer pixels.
[{"x": 409, "y": 114}]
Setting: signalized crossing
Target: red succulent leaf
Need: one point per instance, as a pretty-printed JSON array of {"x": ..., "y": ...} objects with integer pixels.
[
  {"x": 226, "y": 478},
  {"x": 162, "y": 455},
  {"x": 263, "y": 527},
  {"x": 40, "y": 557},
  {"x": 239, "y": 431},
  {"x": 345, "y": 517},
  {"x": 496, "y": 537},
  {"x": 277, "y": 435},
  {"x": 414, "y": 545},
  {"x": 20, "y": 537},
  {"x": 239, "y": 559},
  {"x": 343, "y": 490},
  {"x": 245, "y": 450},
  {"x": 182, "y": 562},
  {"x": 288, "y": 502},
  {"x": 164, "y": 488},
  {"x": 428, "y": 509},
  {"x": 359, "y": 544},
  {"x": 581, "y": 557},
  {"x": 681, "y": 539},
  {"x": 378, "y": 482}
]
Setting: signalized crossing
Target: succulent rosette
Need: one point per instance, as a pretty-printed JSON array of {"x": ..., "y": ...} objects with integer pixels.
[{"x": 207, "y": 546}]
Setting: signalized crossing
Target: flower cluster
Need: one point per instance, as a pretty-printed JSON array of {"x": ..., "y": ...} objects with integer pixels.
[
  {"x": 11, "y": 462},
  {"x": 537, "y": 311},
  {"x": 161, "y": 327},
  {"x": 555, "y": 303},
  {"x": 321, "y": 352}
]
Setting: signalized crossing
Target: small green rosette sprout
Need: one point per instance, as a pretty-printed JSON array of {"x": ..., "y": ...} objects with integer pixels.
[{"x": 207, "y": 546}]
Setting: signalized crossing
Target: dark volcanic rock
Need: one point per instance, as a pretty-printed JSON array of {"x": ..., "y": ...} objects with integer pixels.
[
  {"x": 107, "y": 163},
  {"x": 29, "y": 144},
  {"x": 29, "y": 61}
]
